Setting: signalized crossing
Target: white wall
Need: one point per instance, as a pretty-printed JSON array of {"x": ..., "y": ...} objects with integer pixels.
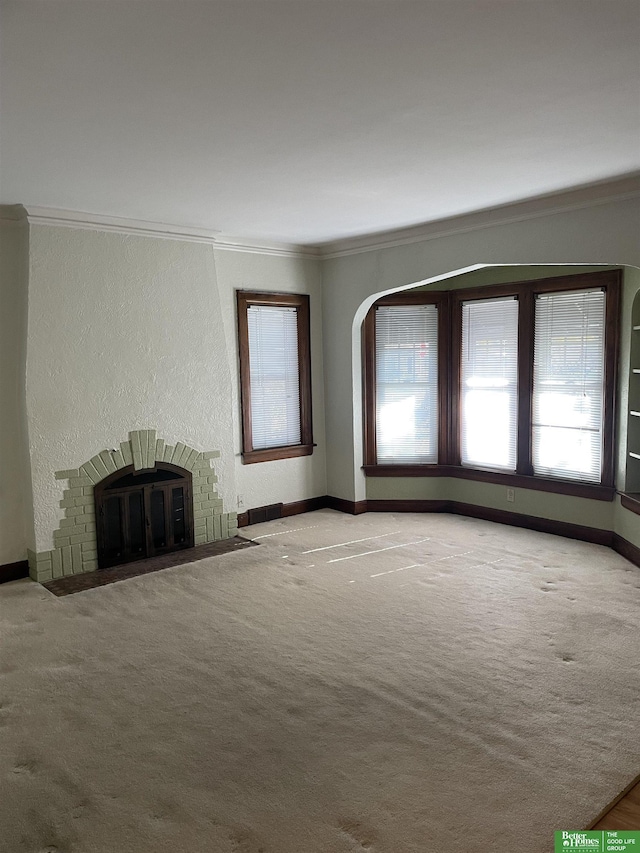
[
  {"x": 131, "y": 332},
  {"x": 606, "y": 233},
  {"x": 14, "y": 471}
]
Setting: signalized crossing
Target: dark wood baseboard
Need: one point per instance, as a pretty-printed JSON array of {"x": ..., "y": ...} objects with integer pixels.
[
  {"x": 513, "y": 519},
  {"x": 627, "y": 549},
  {"x": 309, "y": 505},
  {"x": 350, "y": 507},
  {"x": 631, "y": 501},
  {"x": 409, "y": 506},
  {"x": 534, "y": 522},
  {"x": 14, "y": 571},
  {"x": 293, "y": 508}
]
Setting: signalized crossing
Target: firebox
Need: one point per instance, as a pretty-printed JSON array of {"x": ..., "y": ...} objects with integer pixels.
[{"x": 143, "y": 514}]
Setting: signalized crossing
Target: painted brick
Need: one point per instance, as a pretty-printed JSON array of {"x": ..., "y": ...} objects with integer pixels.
[
  {"x": 200, "y": 539},
  {"x": 69, "y": 531},
  {"x": 210, "y": 531},
  {"x": 69, "y": 472},
  {"x": 90, "y": 527},
  {"x": 60, "y": 541},
  {"x": 200, "y": 513},
  {"x": 67, "y": 565},
  {"x": 79, "y": 482},
  {"x": 90, "y": 566},
  {"x": 75, "y": 510},
  {"x": 177, "y": 452},
  {"x": 87, "y": 546},
  {"x": 217, "y": 510},
  {"x": 85, "y": 500},
  {"x": 118, "y": 459},
  {"x": 72, "y": 493},
  {"x": 76, "y": 558},
  {"x": 147, "y": 447},
  {"x": 210, "y": 454},
  {"x": 92, "y": 554},
  {"x": 168, "y": 452},
  {"x": 82, "y": 537},
  {"x": 67, "y": 502},
  {"x": 87, "y": 518},
  {"x": 87, "y": 490},
  {"x": 233, "y": 531},
  {"x": 56, "y": 563},
  {"x": 217, "y": 526},
  {"x": 127, "y": 455},
  {"x": 190, "y": 459},
  {"x": 136, "y": 450},
  {"x": 233, "y": 516},
  {"x": 160, "y": 449},
  {"x": 90, "y": 470},
  {"x": 67, "y": 522},
  {"x": 99, "y": 465},
  {"x": 200, "y": 481},
  {"x": 107, "y": 460},
  {"x": 204, "y": 505},
  {"x": 43, "y": 577}
]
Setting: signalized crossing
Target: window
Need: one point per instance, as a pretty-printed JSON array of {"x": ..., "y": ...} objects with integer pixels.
[
  {"x": 406, "y": 376},
  {"x": 523, "y": 375},
  {"x": 407, "y": 382},
  {"x": 568, "y": 385},
  {"x": 275, "y": 375},
  {"x": 489, "y": 383}
]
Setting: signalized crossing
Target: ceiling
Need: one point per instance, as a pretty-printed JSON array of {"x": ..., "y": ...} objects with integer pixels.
[{"x": 313, "y": 120}]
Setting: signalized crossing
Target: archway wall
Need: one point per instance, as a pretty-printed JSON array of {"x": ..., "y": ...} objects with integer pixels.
[{"x": 605, "y": 233}]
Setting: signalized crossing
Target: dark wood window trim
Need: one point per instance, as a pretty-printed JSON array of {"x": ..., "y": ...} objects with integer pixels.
[
  {"x": 631, "y": 501},
  {"x": 285, "y": 300},
  {"x": 450, "y": 330}
]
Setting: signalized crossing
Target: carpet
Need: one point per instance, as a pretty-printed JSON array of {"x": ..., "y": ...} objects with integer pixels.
[{"x": 381, "y": 683}]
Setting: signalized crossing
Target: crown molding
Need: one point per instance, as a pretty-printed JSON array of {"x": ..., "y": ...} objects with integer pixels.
[
  {"x": 143, "y": 228},
  {"x": 626, "y": 187},
  {"x": 582, "y": 197}
]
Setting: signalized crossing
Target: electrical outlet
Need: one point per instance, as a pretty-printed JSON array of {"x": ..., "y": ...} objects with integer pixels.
[
  {"x": 511, "y": 495},
  {"x": 240, "y": 500}
]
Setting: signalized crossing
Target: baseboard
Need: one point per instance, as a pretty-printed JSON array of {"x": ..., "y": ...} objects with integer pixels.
[
  {"x": 513, "y": 519},
  {"x": 293, "y": 508},
  {"x": 408, "y": 506},
  {"x": 534, "y": 522},
  {"x": 309, "y": 505},
  {"x": 350, "y": 507},
  {"x": 626, "y": 549},
  {"x": 14, "y": 571}
]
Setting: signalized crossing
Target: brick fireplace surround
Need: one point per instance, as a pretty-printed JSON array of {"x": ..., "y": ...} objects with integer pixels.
[{"x": 75, "y": 544}]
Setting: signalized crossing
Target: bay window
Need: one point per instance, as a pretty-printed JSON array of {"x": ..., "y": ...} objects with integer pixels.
[{"x": 507, "y": 383}]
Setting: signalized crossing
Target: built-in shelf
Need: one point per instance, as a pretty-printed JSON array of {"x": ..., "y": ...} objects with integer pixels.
[{"x": 631, "y": 501}]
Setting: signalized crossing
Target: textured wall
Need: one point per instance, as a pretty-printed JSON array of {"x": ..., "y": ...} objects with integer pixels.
[
  {"x": 129, "y": 332},
  {"x": 14, "y": 469}
]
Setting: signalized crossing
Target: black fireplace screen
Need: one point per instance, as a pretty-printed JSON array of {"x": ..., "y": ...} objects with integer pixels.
[{"x": 143, "y": 514}]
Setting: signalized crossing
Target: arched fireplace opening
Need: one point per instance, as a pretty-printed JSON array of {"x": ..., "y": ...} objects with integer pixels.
[{"x": 143, "y": 513}]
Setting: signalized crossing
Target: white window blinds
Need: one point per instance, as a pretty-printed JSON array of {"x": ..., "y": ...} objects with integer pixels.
[
  {"x": 568, "y": 385},
  {"x": 407, "y": 383},
  {"x": 275, "y": 377},
  {"x": 489, "y": 383}
]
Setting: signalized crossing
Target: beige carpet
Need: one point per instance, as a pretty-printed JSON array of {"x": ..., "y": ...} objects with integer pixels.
[{"x": 381, "y": 683}]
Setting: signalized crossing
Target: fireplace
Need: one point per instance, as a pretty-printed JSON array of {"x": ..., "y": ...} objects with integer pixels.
[
  {"x": 143, "y": 514},
  {"x": 145, "y": 497}
]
